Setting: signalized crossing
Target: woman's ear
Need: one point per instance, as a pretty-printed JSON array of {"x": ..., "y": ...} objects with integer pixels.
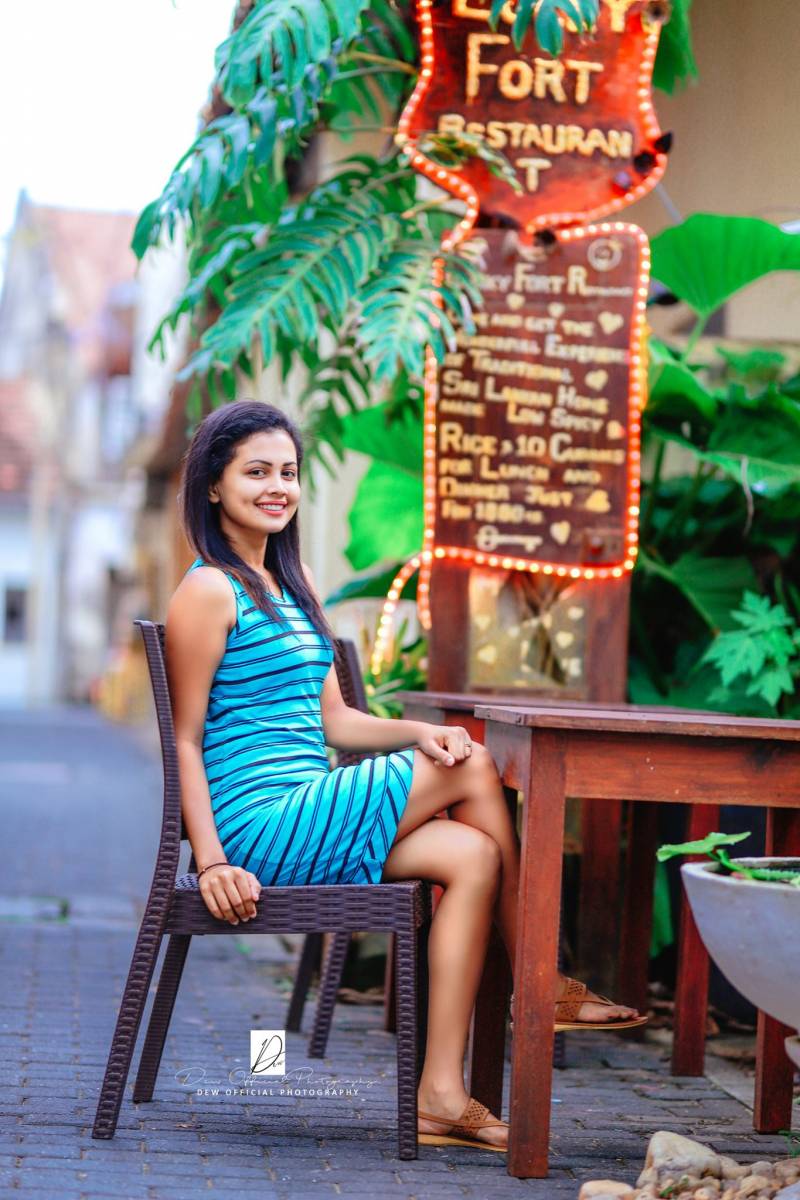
[{"x": 213, "y": 495}]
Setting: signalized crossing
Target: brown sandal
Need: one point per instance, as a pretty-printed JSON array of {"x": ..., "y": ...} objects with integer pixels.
[
  {"x": 568, "y": 1005},
  {"x": 458, "y": 1134}
]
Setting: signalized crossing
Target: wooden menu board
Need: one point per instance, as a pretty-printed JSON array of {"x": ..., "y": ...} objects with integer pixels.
[{"x": 537, "y": 413}]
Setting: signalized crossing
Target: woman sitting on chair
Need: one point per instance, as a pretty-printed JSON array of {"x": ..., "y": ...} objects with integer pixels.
[{"x": 256, "y": 700}]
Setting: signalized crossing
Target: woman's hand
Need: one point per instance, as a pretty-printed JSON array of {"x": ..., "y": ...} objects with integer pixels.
[
  {"x": 446, "y": 744},
  {"x": 230, "y": 893}
]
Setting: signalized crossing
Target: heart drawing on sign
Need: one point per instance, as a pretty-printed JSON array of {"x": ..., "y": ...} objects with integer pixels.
[
  {"x": 561, "y": 531},
  {"x": 614, "y": 430},
  {"x": 598, "y": 502},
  {"x": 597, "y": 380},
  {"x": 564, "y": 638},
  {"x": 514, "y": 300},
  {"x": 487, "y": 654},
  {"x": 610, "y": 322},
  {"x": 556, "y": 309},
  {"x": 482, "y": 620}
]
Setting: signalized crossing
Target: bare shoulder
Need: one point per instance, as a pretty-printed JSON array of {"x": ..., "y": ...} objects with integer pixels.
[
  {"x": 205, "y": 594},
  {"x": 307, "y": 573}
]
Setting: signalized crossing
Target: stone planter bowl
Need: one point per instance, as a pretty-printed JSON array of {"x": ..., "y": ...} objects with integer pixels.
[{"x": 751, "y": 931}]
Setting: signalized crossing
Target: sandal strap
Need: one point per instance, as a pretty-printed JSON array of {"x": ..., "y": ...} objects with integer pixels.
[
  {"x": 473, "y": 1118},
  {"x": 573, "y": 995}
]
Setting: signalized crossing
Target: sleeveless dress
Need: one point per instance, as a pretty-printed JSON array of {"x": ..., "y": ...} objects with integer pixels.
[{"x": 280, "y": 810}]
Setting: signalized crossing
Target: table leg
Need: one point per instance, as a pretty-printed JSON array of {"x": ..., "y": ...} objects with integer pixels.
[
  {"x": 772, "y": 1108},
  {"x": 537, "y": 945},
  {"x": 601, "y": 835},
  {"x": 486, "y": 1052},
  {"x": 691, "y": 987},
  {"x": 637, "y": 907},
  {"x": 487, "y": 1043}
]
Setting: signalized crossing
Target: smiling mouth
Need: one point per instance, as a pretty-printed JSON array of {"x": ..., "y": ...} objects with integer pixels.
[{"x": 274, "y": 509}]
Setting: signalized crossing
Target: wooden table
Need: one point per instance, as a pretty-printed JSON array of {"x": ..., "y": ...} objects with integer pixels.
[
  {"x": 601, "y": 837},
  {"x": 620, "y": 941},
  {"x": 621, "y": 754}
]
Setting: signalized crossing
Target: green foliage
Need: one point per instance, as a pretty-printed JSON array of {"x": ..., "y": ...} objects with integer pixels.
[
  {"x": 709, "y": 257},
  {"x": 765, "y": 649},
  {"x": 675, "y": 63},
  {"x": 720, "y": 520},
  {"x": 405, "y": 671},
  {"x": 545, "y": 15},
  {"x": 714, "y": 846},
  {"x": 707, "y": 845},
  {"x": 280, "y": 39},
  {"x": 386, "y": 516},
  {"x": 373, "y": 585}
]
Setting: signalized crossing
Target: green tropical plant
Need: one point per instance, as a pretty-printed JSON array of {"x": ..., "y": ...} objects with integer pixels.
[
  {"x": 405, "y": 671},
  {"x": 337, "y": 281},
  {"x": 716, "y": 581},
  {"x": 715, "y": 847}
]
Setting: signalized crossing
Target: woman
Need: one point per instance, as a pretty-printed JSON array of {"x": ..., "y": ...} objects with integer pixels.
[{"x": 255, "y": 702}]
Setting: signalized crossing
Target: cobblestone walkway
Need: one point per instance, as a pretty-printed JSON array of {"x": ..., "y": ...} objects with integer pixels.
[{"x": 80, "y": 803}]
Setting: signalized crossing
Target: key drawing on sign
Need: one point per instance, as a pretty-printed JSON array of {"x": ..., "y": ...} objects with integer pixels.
[{"x": 489, "y": 537}]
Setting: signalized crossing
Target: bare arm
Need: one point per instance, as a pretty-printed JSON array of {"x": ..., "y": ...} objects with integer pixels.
[
  {"x": 200, "y": 616},
  {"x": 348, "y": 728}
]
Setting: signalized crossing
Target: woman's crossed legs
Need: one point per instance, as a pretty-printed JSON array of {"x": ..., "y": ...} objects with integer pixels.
[{"x": 475, "y": 857}]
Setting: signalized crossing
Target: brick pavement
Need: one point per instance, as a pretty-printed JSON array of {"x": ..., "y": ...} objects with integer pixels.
[{"x": 86, "y": 796}]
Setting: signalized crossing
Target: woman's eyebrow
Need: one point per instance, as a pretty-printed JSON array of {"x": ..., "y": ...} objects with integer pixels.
[{"x": 264, "y": 463}]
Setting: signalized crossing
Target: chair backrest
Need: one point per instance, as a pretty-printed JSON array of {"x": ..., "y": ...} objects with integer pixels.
[{"x": 351, "y": 684}]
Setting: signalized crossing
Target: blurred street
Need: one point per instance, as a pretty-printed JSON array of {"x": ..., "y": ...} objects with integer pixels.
[{"x": 81, "y": 810}]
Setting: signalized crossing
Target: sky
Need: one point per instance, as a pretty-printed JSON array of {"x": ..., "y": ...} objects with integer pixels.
[{"x": 99, "y": 98}]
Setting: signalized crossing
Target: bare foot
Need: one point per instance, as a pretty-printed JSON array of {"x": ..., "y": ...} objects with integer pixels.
[{"x": 451, "y": 1106}]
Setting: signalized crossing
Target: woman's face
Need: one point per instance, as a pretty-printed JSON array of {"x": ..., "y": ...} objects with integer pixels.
[{"x": 259, "y": 489}]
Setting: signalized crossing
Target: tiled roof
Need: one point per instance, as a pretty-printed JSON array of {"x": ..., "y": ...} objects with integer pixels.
[
  {"x": 17, "y": 437},
  {"x": 90, "y": 256}
]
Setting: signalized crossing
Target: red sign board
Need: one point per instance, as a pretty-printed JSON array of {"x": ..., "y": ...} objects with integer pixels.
[
  {"x": 532, "y": 427},
  {"x": 579, "y": 131}
]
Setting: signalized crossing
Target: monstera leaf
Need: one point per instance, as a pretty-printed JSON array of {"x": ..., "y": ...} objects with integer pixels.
[{"x": 709, "y": 257}]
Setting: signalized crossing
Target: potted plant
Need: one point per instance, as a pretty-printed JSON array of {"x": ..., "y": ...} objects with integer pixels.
[{"x": 747, "y": 912}]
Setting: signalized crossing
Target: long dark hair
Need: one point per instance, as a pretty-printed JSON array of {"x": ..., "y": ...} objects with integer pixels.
[{"x": 211, "y": 449}]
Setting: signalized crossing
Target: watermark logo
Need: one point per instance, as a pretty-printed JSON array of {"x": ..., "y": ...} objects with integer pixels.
[{"x": 267, "y": 1051}]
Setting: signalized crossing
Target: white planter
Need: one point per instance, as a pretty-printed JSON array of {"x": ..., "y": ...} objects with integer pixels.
[{"x": 750, "y": 930}]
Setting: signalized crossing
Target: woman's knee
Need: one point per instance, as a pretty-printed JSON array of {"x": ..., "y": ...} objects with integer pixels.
[
  {"x": 481, "y": 759},
  {"x": 479, "y": 858}
]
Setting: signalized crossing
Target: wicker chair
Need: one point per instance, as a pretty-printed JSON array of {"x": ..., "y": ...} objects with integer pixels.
[{"x": 176, "y": 909}]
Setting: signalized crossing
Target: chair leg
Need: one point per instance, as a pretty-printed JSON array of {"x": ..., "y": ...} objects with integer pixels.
[
  {"x": 309, "y": 961},
  {"x": 408, "y": 1042},
  {"x": 168, "y": 984},
  {"x": 389, "y": 1013},
  {"x": 329, "y": 986},
  {"x": 134, "y": 999}
]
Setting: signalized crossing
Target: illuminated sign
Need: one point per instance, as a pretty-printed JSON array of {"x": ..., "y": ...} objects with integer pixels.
[
  {"x": 579, "y": 131},
  {"x": 533, "y": 421}
]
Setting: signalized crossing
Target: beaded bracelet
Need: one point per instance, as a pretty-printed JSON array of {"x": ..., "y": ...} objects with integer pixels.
[{"x": 210, "y": 865}]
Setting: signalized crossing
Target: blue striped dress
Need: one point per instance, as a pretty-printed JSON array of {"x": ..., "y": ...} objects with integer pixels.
[{"x": 280, "y": 811}]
